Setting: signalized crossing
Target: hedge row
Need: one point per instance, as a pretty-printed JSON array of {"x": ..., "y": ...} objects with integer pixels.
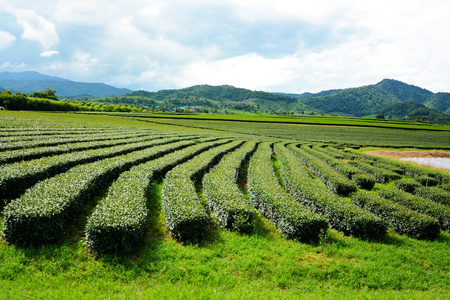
[
  {"x": 434, "y": 194},
  {"x": 405, "y": 168},
  {"x": 42, "y": 214},
  {"x": 118, "y": 222},
  {"x": 335, "y": 181},
  {"x": 290, "y": 217},
  {"x": 340, "y": 154},
  {"x": 52, "y": 141},
  {"x": 381, "y": 175},
  {"x": 445, "y": 187},
  {"x": 362, "y": 180},
  {"x": 16, "y": 177},
  {"x": 342, "y": 215},
  {"x": 34, "y": 153},
  {"x": 426, "y": 180},
  {"x": 337, "y": 164},
  {"x": 408, "y": 185},
  {"x": 223, "y": 194},
  {"x": 403, "y": 220},
  {"x": 421, "y": 205},
  {"x": 10, "y": 135},
  {"x": 186, "y": 217}
]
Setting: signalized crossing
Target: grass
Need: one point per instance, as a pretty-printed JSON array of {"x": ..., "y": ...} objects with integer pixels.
[
  {"x": 227, "y": 265},
  {"x": 254, "y": 266},
  {"x": 300, "y": 119}
]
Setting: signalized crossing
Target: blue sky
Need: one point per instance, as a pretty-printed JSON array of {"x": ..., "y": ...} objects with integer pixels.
[{"x": 286, "y": 46}]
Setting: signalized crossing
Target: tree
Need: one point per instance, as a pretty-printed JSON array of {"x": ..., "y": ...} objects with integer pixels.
[
  {"x": 380, "y": 116},
  {"x": 46, "y": 94}
]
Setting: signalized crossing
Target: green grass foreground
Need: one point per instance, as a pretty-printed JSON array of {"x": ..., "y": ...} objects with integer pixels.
[
  {"x": 259, "y": 265},
  {"x": 227, "y": 265}
]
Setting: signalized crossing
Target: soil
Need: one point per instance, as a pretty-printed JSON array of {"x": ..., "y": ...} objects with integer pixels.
[
  {"x": 398, "y": 155},
  {"x": 408, "y": 153}
]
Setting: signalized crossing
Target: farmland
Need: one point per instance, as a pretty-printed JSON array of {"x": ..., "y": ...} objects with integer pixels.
[{"x": 124, "y": 206}]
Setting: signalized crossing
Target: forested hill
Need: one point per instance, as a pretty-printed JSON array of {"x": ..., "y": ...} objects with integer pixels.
[
  {"x": 217, "y": 93},
  {"x": 28, "y": 82},
  {"x": 381, "y": 98}
]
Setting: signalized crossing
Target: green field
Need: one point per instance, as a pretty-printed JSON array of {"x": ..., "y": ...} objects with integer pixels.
[{"x": 84, "y": 184}]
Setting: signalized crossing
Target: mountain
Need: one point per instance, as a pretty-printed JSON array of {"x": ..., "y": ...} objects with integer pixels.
[
  {"x": 28, "y": 82},
  {"x": 225, "y": 98},
  {"x": 382, "y": 98}
]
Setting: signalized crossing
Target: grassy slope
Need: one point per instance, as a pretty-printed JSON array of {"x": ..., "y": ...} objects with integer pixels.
[{"x": 227, "y": 265}]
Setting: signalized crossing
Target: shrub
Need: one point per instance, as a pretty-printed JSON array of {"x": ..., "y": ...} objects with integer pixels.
[
  {"x": 434, "y": 194},
  {"x": 364, "y": 181},
  {"x": 186, "y": 218},
  {"x": 404, "y": 221},
  {"x": 290, "y": 217},
  {"x": 421, "y": 205},
  {"x": 426, "y": 180},
  {"x": 343, "y": 216},
  {"x": 381, "y": 175},
  {"x": 16, "y": 177},
  {"x": 408, "y": 185},
  {"x": 42, "y": 214},
  {"x": 223, "y": 194},
  {"x": 335, "y": 181},
  {"x": 118, "y": 222}
]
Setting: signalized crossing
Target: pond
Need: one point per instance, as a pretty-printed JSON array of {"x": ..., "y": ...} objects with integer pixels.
[{"x": 438, "y": 162}]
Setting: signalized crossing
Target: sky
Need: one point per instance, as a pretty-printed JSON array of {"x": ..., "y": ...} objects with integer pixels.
[{"x": 291, "y": 46}]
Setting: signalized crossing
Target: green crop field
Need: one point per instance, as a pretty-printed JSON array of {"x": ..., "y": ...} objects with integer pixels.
[{"x": 131, "y": 207}]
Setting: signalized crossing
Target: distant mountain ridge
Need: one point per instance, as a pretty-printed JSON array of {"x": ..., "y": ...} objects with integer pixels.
[
  {"x": 28, "y": 82},
  {"x": 392, "y": 98},
  {"x": 379, "y": 98}
]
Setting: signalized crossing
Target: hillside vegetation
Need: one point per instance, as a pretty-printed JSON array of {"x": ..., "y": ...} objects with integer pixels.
[{"x": 390, "y": 99}]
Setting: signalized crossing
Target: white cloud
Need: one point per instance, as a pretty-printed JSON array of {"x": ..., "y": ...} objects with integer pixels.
[
  {"x": 250, "y": 71},
  {"x": 49, "y": 53},
  {"x": 13, "y": 66},
  {"x": 37, "y": 28},
  {"x": 6, "y": 39},
  {"x": 274, "y": 45}
]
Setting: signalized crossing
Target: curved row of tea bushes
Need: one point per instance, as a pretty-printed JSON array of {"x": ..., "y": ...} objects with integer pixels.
[
  {"x": 403, "y": 220},
  {"x": 335, "y": 181},
  {"x": 337, "y": 164},
  {"x": 362, "y": 180},
  {"x": 342, "y": 215},
  {"x": 445, "y": 187},
  {"x": 186, "y": 217},
  {"x": 290, "y": 217},
  {"x": 434, "y": 194},
  {"x": 407, "y": 184},
  {"x": 417, "y": 173},
  {"x": 118, "y": 222},
  {"x": 43, "y": 212},
  {"x": 18, "y": 135},
  {"x": 34, "y": 153},
  {"x": 222, "y": 192},
  {"x": 16, "y": 177},
  {"x": 340, "y": 154},
  {"x": 381, "y": 175},
  {"x": 52, "y": 141},
  {"x": 421, "y": 205}
]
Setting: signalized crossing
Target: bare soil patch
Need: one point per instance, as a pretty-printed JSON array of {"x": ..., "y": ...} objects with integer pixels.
[
  {"x": 399, "y": 154},
  {"x": 408, "y": 153}
]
